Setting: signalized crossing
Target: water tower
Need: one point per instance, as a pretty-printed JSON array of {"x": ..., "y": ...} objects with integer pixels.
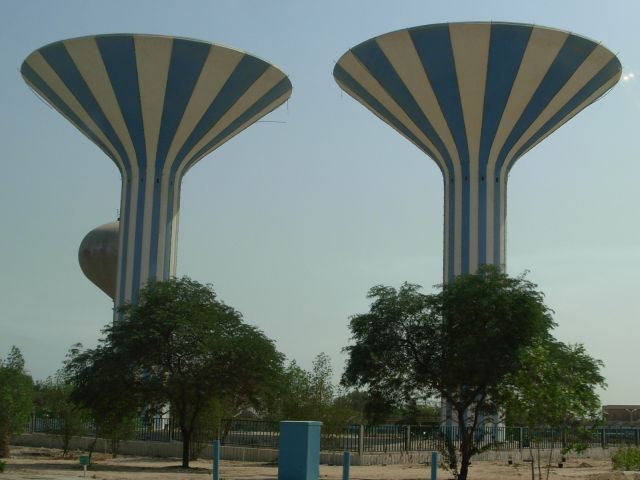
[
  {"x": 475, "y": 97},
  {"x": 155, "y": 105}
]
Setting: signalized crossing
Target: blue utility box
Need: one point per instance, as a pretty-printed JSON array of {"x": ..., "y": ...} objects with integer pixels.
[{"x": 299, "y": 457}]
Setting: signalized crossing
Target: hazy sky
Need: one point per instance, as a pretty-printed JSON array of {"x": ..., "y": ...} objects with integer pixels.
[{"x": 293, "y": 222}]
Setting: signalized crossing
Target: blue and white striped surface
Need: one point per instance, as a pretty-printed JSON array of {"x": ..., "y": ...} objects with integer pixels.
[
  {"x": 475, "y": 97},
  {"x": 155, "y": 105}
]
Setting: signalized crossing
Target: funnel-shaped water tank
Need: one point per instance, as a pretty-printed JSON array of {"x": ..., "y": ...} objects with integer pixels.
[
  {"x": 155, "y": 105},
  {"x": 475, "y": 97}
]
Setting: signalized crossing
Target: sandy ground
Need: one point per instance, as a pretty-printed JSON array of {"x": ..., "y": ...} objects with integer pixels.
[{"x": 48, "y": 464}]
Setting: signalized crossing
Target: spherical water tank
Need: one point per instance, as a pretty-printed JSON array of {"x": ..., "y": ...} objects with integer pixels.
[{"x": 98, "y": 257}]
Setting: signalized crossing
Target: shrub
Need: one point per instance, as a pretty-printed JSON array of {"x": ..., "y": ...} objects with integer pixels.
[
  {"x": 626, "y": 458},
  {"x": 2, "y": 465}
]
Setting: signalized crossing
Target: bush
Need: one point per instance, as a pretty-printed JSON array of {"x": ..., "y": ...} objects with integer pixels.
[
  {"x": 2, "y": 465},
  {"x": 626, "y": 458}
]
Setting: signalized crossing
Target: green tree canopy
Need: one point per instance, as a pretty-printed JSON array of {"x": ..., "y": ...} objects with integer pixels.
[
  {"x": 53, "y": 399},
  {"x": 459, "y": 343},
  {"x": 312, "y": 395},
  {"x": 16, "y": 397},
  {"x": 101, "y": 388},
  {"x": 180, "y": 346},
  {"x": 554, "y": 387}
]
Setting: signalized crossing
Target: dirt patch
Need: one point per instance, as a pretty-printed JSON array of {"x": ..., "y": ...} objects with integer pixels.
[
  {"x": 29, "y": 463},
  {"x": 615, "y": 476}
]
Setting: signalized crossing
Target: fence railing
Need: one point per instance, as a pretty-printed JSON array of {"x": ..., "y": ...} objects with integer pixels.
[{"x": 363, "y": 438}]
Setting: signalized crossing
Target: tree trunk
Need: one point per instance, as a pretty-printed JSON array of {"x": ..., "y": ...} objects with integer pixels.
[
  {"x": 115, "y": 446},
  {"x": 549, "y": 462},
  {"x": 186, "y": 442},
  {"x": 92, "y": 445},
  {"x": 533, "y": 467},
  {"x": 465, "y": 454},
  {"x": 466, "y": 440},
  {"x": 539, "y": 462},
  {"x": 4, "y": 445},
  {"x": 67, "y": 434}
]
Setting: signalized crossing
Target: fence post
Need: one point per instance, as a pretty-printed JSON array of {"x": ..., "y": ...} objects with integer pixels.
[
  {"x": 361, "y": 441},
  {"x": 636, "y": 437},
  {"x": 603, "y": 437},
  {"x": 521, "y": 438},
  {"x": 407, "y": 438}
]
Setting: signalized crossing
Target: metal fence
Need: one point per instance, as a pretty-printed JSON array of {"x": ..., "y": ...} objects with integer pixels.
[
  {"x": 256, "y": 433},
  {"x": 363, "y": 438}
]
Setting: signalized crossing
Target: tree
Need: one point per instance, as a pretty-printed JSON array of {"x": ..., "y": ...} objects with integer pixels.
[
  {"x": 367, "y": 408},
  {"x": 16, "y": 394},
  {"x": 53, "y": 400},
  {"x": 180, "y": 346},
  {"x": 102, "y": 388},
  {"x": 460, "y": 343},
  {"x": 321, "y": 385},
  {"x": 295, "y": 390},
  {"x": 554, "y": 387},
  {"x": 307, "y": 395},
  {"x": 311, "y": 395},
  {"x": 355, "y": 401}
]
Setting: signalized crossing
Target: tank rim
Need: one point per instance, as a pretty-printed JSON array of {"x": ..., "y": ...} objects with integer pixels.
[{"x": 473, "y": 22}]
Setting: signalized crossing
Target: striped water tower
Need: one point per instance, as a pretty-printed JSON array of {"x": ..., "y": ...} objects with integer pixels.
[
  {"x": 475, "y": 97},
  {"x": 155, "y": 105}
]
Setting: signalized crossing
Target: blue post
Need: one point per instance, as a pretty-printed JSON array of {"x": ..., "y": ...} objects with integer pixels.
[
  {"x": 434, "y": 465},
  {"x": 215, "y": 454},
  {"x": 346, "y": 463}
]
